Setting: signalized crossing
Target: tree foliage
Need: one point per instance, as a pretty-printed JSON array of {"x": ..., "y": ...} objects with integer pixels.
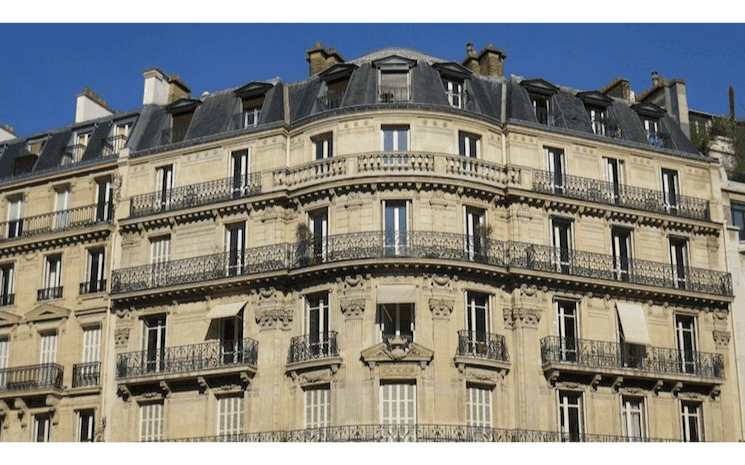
[{"x": 727, "y": 127}]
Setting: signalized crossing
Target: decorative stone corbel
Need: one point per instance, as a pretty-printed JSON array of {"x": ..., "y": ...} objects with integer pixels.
[
  {"x": 441, "y": 308},
  {"x": 121, "y": 337},
  {"x": 676, "y": 388},
  {"x": 595, "y": 381},
  {"x": 716, "y": 391},
  {"x": 203, "y": 386},
  {"x": 657, "y": 386},
  {"x": 721, "y": 338},
  {"x": 123, "y": 392},
  {"x": 617, "y": 382},
  {"x": 353, "y": 309},
  {"x": 166, "y": 389}
]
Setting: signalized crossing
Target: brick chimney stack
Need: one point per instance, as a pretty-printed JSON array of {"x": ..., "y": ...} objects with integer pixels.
[
  {"x": 162, "y": 89},
  {"x": 320, "y": 58},
  {"x": 488, "y": 62},
  {"x": 90, "y": 106}
]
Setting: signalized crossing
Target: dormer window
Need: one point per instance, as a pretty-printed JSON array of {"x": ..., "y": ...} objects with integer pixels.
[
  {"x": 180, "y": 126},
  {"x": 34, "y": 147},
  {"x": 650, "y": 116},
  {"x": 540, "y": 93},
  {"x": 542, "y": 108},
  {"x": 597, "y": 107},
  {"x": 182, "y": 111},
  {"x": 251, "y": 112},
  {"x": 74, "y": 153},
  {"x": 252, "y": 97},
  {"x": 651, "y": 129},
  {"x": 336, "y": 79},
  {"x": 454, "y": 93},
  {"x": 118, "y": 138},
  {"x": 394, "y": 79},
  {"x": 453, "y": 78},
  {"x": 597, "y": 119}
]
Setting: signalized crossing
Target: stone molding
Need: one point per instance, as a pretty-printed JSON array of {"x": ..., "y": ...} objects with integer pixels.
[{"x": 441, "y": 308}]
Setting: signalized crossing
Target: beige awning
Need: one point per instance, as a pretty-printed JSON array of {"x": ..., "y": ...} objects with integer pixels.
[
  {"x": 225, "y": 310},
  {"x": 634, "y": 323},
  {"x": 396, "y": 294}
]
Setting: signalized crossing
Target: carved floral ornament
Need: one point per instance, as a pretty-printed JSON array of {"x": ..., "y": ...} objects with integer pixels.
[
  {"x": 441, "y": 308},
  {"x": 271, "y": 318},
  {"x": 521, "y": 317},
  {"x": 721, "y": 338},
  {"x": 353, "y": 308}
]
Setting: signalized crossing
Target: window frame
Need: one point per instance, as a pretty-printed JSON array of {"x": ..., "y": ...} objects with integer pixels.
[
  {"x": 95, "y": 270},
  {"x": 567, "y": 328},
  {"x": 230, "y": 416},
  {"x": 15, "y": 217},
  {"x": 396, "y": 130},
  {"x": 392, "y": 97},
  {"x": 104, "y": 199},
  {"x": 562, "y": 242},
  {"x": 52, "y": 277},
  {"x": 396, "y": 234},
  {"x": 456, "y": 98},
  {"x": 42, "y": 420},
  {"x": 88, "y": 424},
  {"x": 48, "y": 347},
  {"x": 737, "y": 210},
  {"x": 408, "y": 400},
  {"x": 394, "y": 317},
  {"x": 151, "y": 427},
  {"x": 469, "y": 145},
  {"x": 482, "y": 408},
  {"x": 235, "y": 248},
  {"x": 317, "y": 406},
  {"x": 627, "y": 418},
  {"x": 686, "y": 341},
  {"x": 678, "y": 247},
  {"x": 7, "y": 284},
  {"x": 685, "y": 417},
  {"x": 323, "y": 146},
  {"x": 564, "y": 420}
]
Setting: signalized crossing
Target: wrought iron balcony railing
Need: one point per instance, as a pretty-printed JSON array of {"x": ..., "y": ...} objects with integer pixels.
[
  {"x": 482, "y": 345},
  {"x": 393, "y": 94},
  {"x": 329, "y": 101},
  {"x": 49, "y": 293},
  {"x": 593, "y": 190},
  {"x": 416, "y": 433},
  {"x": 657, "y": 138},
  {"x": 91, "y": 287},
  {"x": 72, "y": 154},
  {"x": 188, "y": 359},
  {"x": 609, "y": 267},
  {"x": 110, "y": 146},
  {"x": 65, "y": 220},
  {"x": 312, "y": 347},
  {"x": 86, "y": 374},
  {"x": 7, "y": 299},
  {"x": 657, "y": 360},
  {"x": 195, "y": 195},
  {"x": 48, "y": 375},
  {"x": 607, "y": 128}
]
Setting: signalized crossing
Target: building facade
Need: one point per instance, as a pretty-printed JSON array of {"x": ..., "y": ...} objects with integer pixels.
[{"x": 397, "y": 248}]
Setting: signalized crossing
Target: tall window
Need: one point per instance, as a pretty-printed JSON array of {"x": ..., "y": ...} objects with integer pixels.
[
  {"x": 570, "y": 416},
  {"x": 317, "y": 324},
  {"x": 154, "y": 342},
  {"x": 394, "y": 138},
  {"x": 468, "y": 145},
  {"x": 324, "y": 146},
  {"x": 121, "y": 134},
  {"x": 632, "y": 417},
  {"x": 691, "y": 421},
  {"x": 319, "y": 229},
  {"x": 477, "y": 322},
  {"x": 395, "y": 226},
  {"x": 396, "y": 320},
  {"x": 52, "y": 278},
  {"x": 597, "y": 119},
  {"x": 685, "y": 336},
  {"x": 318, "y": 407},
  {"x": 614, "y": 177},
  {"x": 96, "y": 279},
  {"x": 398, "y": 403},
  {"x": 240, "y": 172},
  {"x": 475, "y": 233},
  {"x": 454, "y": 92},
  {"x": 7, "y": 272},
  {"x": 86, "y": 425},
  {"x": 478, "y": 406},
  {"x": 542, "y": 107},
  {"x": 91, "y": 344},
  {"x": 15, "y": 217},
  {"x": 562, "y": 243},
  {"x": 104, "y": 205},
  {"x": 654, "y": 137},
  {"x": 679, "y": 261},
  {"x": 180, "y": 124},
  {"x": 555, "y": 164},
  {"x": 164, "y": 181},
  {"x": 621, "y": 251},
  {"x": 670, "y": 190},
  {"x": 566, "y": 328},
  {"x": 231, "y": 338},
  {"x": 236, "y": 247},
  {"x": 42, "y": 431},
  {"x": 151, "y": 422},
  {"x": 251, "y": 111},
  {"x": 230, "y": 416},
  {"x": 4, "y": 356},
  {"x": 48, "y": 348},
  {"x": 160, "y": 254},
  {"x": 738, "y": 217},
  {"x": 394, "y": 86},
  {"x": 61, "y": 218}
]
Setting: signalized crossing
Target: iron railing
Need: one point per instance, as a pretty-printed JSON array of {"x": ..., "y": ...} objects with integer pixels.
[
  {"x": 479, "y": 344},
  {"x": 658, "y": 360},
  {"x": 593, "y": 190},
  {"x": 606, "y": 127},
  {"x": 86, "y": 374},
  {"x": 170, "y": 136},
  {"x": 49, "y": 293},
  {"x": 416, "y": 433},
  {"x": 91, "y": 287},
  {"x": 188, "y": 358},
  {"x": 312, "y": 347},
  {"x": 657, "y": 138},
  {"x": 393, "y": 94},
  {"x": 612, "y": 268},
  {"x": 72, "y": 154},
  {"x": 7, "y": 299},
  {"x": 329, "y": 101},
  {"x": 110, "y": 146},
  {"x": 47, "y": 375},
  {"x": 195, "y": 195},
  {"x": 64, "y": 220}
]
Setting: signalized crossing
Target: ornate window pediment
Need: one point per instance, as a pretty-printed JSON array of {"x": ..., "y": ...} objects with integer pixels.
[
  {"x": 539, "y": 87},
  {"x": 595, "y": 99},
  {"x": 452, "y": 70},
  {"x": 397, "y": 350},
  {"x": 648, "y": 109},
  {"x": 47, "y": 311},
  {"x": 7, "y": 318}
]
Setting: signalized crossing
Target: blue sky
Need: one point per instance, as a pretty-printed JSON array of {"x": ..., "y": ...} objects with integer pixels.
[{"x": 46, "y": 65}]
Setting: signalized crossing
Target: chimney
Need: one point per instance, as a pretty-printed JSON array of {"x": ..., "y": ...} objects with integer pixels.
[
  {"x": 678, "y": 106},
  {"x": 156, "y": 87},
  {"x": 619, "y": 87},
  {"x": 90, "y": 106},
  {"x": 471, "y": 61},
  {"x": 177, "y": 88},
  {"x": 7, "y": 133},
  {"x": 320, "y": 58},
  {"x": 488, "y": 62}
]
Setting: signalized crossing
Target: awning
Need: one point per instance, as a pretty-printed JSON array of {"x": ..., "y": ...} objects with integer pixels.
[
  {"x": 396, "y": 294},
  {"x": 634, "y": 323},
  {"x": 225, "y": 310}
]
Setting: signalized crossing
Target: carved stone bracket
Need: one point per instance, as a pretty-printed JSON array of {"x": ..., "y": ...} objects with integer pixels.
[
  {"x": 121, "y": 338},
  {"x": 721, "y": 339},
  {"x": 272, "y": 318},
  {"x": 521, "y": 317},
  {"x": 441, "y": 308},
  {"x": 353, "y": 309}
]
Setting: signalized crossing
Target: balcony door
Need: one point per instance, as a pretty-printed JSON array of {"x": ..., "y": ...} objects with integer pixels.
[
  {"x": 61, "y": 209},
  {"x": 164, "y": 181},
  {"x": 4, "y": 356},
  {"x": 240, "y": 173},
  {"x": 475, "y": 237},
  {"x": 395, "y": 226},
  {"x": 317, "y": 325},
  {"x": 670, "y": 190},
  {"x": 104, "y": 206},
  {"x": 621, "y": 251},
  {"x": 236, "y": 245},
  {"x": 477, "y": 322},
  {"x": 566, "y": 328},
  {"x": 562, "y": 243},
  {"x": 557, "y": 174},
  {"x": 96, "y": 277},
  {"x": 48, "y": 352},
  {"x": 570, "y": 416},
  {"x": 685, "y": 335},
  {"x": 319, "y": 229},
  {"x": 614, "y": 178},
  {"x": 15, "y": 218},
  {"x": 154, "y": 343},
  {"x": 231, "y": 339},
  {"x": 678, "y": 261}
]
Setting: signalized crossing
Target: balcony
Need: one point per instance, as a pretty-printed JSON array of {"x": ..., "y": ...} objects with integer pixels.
[
  {"x": 194, "y": 195},
  {"x": 188, "y": 360},
  {"x": 657, "y": 138},
  {"x": 575, "y": 187},
  {"x": 610, "y": 268},
  {"x": 48, "y": 223},
  {"x": 307, "y": 348},
  {"x": 416, "y": 433},
  {"x": 486, "y": 346},
  {"x": 393, "y": 94},
  {"x": 7, "y": 299},
  {"x": 607, "y": 128},
  {"x": 110, "y": 146},
  {"x": 86, "y": 374},
  {"x": 329, "y": 101},
  {"x": 72, "y": 154},
  {"x": 92, "y": 287},
  {"x": 49, "y": 293},
  {"x": 30, "y": 378},
  {"x": 170, "y": 136},
  {"x": 631, "y": 361}
]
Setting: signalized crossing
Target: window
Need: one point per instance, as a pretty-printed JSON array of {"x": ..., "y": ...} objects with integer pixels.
[
  {"x": 670, "y": 190},
  {"x": 91, "y": 344},
  {"x": 678, "y": 261},
  {"x": 394, "y": 138},
  {"x": 393, "y": 86},
  {"x": 120, "y": 134},
  {"x": 685, "y": 336},
  {"x": 94, "y": 273},
  {"x": 231, "y": 338},
  {"x": 319, "y": 229},
  {"x": 180, "y": 124},
  {"x": 614, "y": 177},
  {"x": 396, "y": 321},
  {"x": 395, "y": 226},
  {"x": 4, "y": 356},
  {"x": 562, "y": 243},
  {"x": 621, "y": 252},
  {"x": 632, "y": 417},
  {"x": 61, "y": 219},
  {"x": 6, "y": 285},
  {"x": 317, "y": 325},
  {"x": 48, "y": 348},
  {"x": 468, "y": 144},
  {"x": 154, "y": 342},
  {"x": 52, "y": 278},
  {"x": 476, "y": 233},
  {"x": 398, "y": 403},
  {"x": 454, "y": 93},
  {"x": 104, "y": 205},
  {"x": 566, "y": 328},
  {"x": 86, "y": 425},
  {"x": 738, "y": 217},
  {"x": 542, "y": 107},
  {"x": 318, "y": 407},
  {"x": 164, "y": 181},
  {"x": 74, "y": 153},
  {"x": 42, "y": 431},
  {"x": 570, "y": 416},
  {"x": 160, "y": 254},
  {"x": 15, "y": 217},
  {"x": 240, "y": 173},
  {"x": 230, "y": 416},
  {"x": 654, "y": 137},
  {"x": 555, "y": 164},
  {"x": 478, "y": 323},
  {"x": 151, "y": 422},
  {"x": 478, "y": 406},
  {"x": 691, "y": 421},
  {"x": 251, "y": 111},
  {"x": 597, "y": 119},
  {"x": 324, "y": 146},
  {"x": 236, "y": 248}
]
